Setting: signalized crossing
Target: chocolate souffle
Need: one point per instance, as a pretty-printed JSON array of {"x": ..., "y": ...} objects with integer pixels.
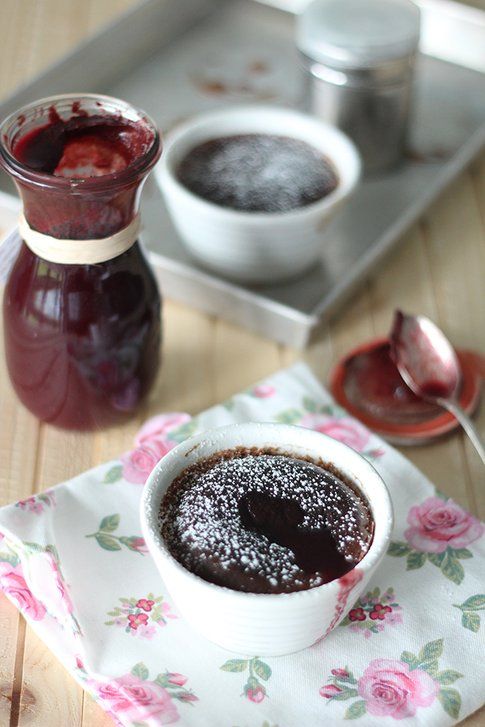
[
  {"x": 258, "y": 172},
  {"x": 260, "y": 521}
]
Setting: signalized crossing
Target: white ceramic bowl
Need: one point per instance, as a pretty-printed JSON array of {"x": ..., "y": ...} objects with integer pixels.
[
  {"x": 254, "y": 623},
  {"x": 255, "y": 246}
]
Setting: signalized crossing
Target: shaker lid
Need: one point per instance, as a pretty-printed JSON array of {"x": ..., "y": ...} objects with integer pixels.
[{"x": 358, "y": 33}]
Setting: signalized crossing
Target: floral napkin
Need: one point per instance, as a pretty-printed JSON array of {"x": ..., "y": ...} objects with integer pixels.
[{"x": 411, "y": 648}]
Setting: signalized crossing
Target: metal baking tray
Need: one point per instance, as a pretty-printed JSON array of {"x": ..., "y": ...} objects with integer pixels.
[{"x": 175, "y": 58}]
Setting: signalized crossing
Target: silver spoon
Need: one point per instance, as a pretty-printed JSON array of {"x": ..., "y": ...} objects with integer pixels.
[{"x": 428, "y": 364}]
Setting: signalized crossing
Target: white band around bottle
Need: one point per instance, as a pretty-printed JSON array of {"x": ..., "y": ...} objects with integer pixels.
[{"x": 79, "y": 252}]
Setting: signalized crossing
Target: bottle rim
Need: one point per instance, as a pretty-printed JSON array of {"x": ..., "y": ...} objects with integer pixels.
[{"x": 111, "y": 106}]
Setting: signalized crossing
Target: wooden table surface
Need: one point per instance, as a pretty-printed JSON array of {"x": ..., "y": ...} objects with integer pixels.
[{"x": 438, "y": 270}]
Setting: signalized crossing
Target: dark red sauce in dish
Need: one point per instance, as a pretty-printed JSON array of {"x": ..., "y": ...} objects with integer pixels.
[{"x": 374, "y": 385}]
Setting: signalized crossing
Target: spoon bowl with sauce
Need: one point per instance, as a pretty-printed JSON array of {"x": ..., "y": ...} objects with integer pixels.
[{"x": 429, "y": 365}]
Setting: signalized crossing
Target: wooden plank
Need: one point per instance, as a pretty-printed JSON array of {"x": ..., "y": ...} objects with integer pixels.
[
  {"x": 477, "y": 719},
  {"x": 35, "y": 33},
  {"x": 240, "y": 359},
  {"x": 477, "y": 177},
  {"x": 402, "y": 283},
  {"x": 455, "y": 243},
  {"x": 10, "y": 623},
  {"x": 353, "y": 326},
  {"x": 17, "y": 474},
  {"x": 49, "y": 696},
  {"x": 93, "y": 715},
  {"x": 185, "y": 380},
  {"x": 54, "y": 467}
]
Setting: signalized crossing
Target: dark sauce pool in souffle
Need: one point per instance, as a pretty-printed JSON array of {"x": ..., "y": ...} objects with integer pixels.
[
  {"x": 257, "y": 172},
  {"x": 259, "y": 521}
]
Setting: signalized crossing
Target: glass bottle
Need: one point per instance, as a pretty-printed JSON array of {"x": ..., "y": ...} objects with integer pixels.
[{"x": 82, "y": 340}]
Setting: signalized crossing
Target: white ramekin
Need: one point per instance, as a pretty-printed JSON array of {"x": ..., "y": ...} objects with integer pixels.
[
  {"x": 255, "y": 247},
  {"x": 253, "y": 623}
]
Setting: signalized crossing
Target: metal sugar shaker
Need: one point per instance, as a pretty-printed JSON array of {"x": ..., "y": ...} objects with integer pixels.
[{"x": 359, "y": 58}]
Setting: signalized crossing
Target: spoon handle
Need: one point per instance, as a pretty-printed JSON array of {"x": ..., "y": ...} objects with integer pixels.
[{"x": 467, "y": 425}]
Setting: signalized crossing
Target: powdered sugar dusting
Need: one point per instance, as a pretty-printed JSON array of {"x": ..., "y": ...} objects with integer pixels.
[
  {"x": 204, "y": 524},
  {"x": 257, "y": 172}
]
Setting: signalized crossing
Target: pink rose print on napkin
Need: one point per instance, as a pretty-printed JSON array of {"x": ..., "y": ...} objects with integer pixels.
[
  {"x": 263, "y": 391},
  {"x": 437, "y": 524},
  {"x": 332, "y": 421},
  {"x": 178, "y": 679},
  {"x": 340, "y": 673},
  {"x": 14, "y": 586},
  {"x": 136, "y": 544},
  {"x": 138, "y": 463},
  {"x": 346, "y": 430},
  {"x": 135, "y": 698},
  {"x": 440, "y": 531},
  {"x": 141, "y": 617},
  {"x": 390, "y": 689},
  {"x": 256, "y": 695},
  {"x": 396, "y": 688},
  {"x": 44, "y": 576},
  {"x": 145, "y": 603},
  {"x": 373, "y": 612},
  {"x": 158, "y": 428},
  {"x": 330, "y": 690},
  {"x": 30, "y": 505},
  {"x": 157, "y": 436},
  {"x": 37, "y": 503}
]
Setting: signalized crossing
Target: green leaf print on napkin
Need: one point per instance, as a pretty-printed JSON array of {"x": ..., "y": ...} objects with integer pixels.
[
  {"x": 253, "y": 690},
  {"x": 469, "y": 619},
  {"x": 106, "y": 540},
  {"x": 114, "y": 474}
]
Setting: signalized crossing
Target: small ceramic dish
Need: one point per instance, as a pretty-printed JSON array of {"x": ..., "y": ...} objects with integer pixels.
[
  {"x": 255, "y": 623},
  {"x": 246, "y": 246},
  {"x": 386, "y": 423}
]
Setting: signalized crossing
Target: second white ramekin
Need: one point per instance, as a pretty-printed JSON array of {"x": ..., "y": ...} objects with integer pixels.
[
  {"x": 255, "y": 247},
  {"x": 253, "y": 623}
]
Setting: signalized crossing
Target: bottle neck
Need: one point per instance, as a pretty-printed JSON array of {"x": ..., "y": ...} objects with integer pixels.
[
  {"x": 79, "y": 162},
  {"x": 79, "y": 216}
]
